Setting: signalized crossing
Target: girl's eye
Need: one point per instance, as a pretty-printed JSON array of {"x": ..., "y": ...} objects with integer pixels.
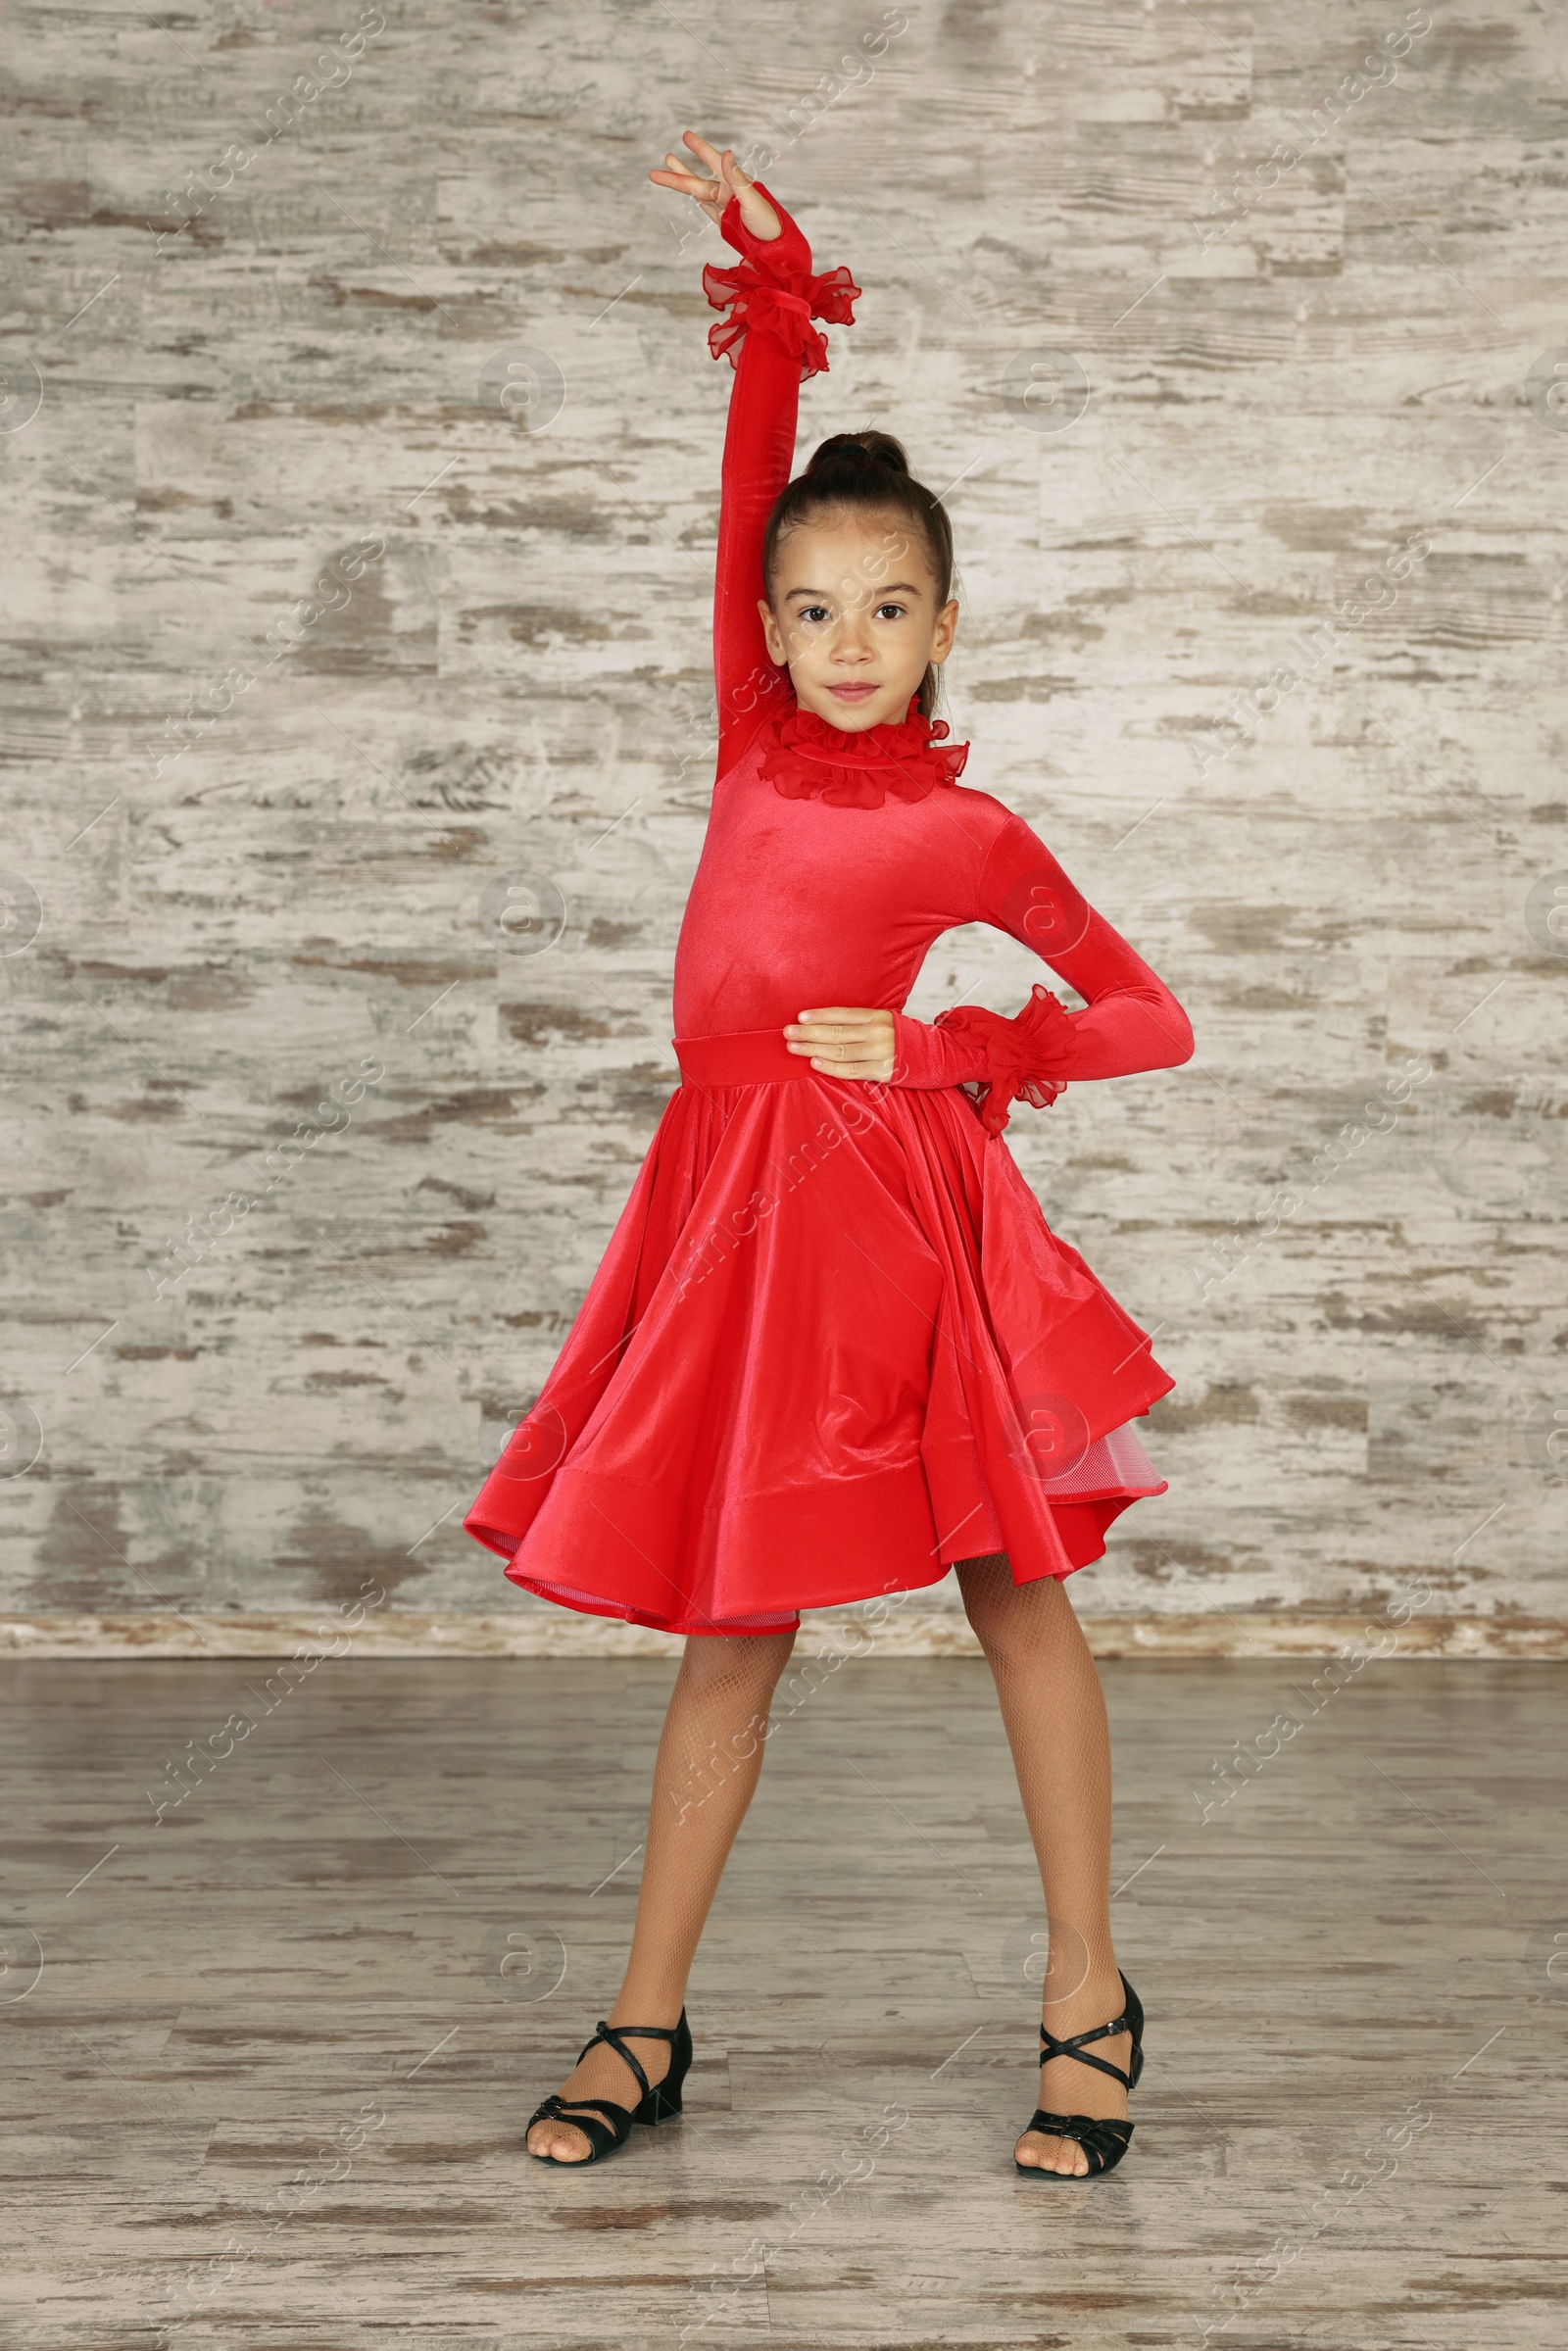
[
  {"x": 813, "y": 612},
  {"x": 896, "y": 609}
]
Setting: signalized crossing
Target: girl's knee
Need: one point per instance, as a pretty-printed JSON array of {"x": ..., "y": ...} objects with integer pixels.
[
  {"x": 751, "y": 1661},
  {"x": 1004, "y": 1615},
  {"x": 984, "y": 1587},
  {"x": 771, "y": 1653}
]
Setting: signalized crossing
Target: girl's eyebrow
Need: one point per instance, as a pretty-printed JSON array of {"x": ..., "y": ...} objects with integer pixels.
[{"x": 897, "y": 587}]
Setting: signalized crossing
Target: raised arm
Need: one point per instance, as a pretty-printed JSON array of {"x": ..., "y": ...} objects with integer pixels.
[
  {"x": 770, "y": 299},
  {"x": 1130, "y": 1020}
]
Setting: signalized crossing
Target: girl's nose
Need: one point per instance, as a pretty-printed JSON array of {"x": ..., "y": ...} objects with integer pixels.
[{"x": 852, "y": 638}]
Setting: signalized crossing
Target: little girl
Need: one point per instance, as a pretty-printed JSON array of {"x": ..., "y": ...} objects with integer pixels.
[{"x": 833, "y": 1349}]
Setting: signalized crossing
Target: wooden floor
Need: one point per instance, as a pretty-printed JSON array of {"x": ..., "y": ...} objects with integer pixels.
[{"x": 270, "y": 2085}]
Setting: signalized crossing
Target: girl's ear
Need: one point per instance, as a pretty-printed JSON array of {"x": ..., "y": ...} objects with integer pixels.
[
  {"x": 942, "y": 635},
  {"x": 776, "y": 649}
]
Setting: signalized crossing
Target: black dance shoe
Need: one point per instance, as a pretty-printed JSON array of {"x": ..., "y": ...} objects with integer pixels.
[
  {"x": 1103, "y": 2138},
  {"x": 610, "y": 2126}
]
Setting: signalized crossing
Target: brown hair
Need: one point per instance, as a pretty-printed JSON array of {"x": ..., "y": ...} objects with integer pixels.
[{"x": 866, "y": 469}]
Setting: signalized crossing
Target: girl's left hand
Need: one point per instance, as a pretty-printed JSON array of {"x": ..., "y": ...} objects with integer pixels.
[{"x": 845, "y": 1042}]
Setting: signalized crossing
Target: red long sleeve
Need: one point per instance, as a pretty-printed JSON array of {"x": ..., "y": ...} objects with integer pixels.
[
  {"x": 775, "y": 295},
  {"x": 1130, "y": 1020}
]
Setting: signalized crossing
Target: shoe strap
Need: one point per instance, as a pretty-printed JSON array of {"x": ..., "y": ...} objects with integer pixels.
[
  {"x": 1053, "y": 2046},
  {"x": 611, "y": 2131},
  {"x": 614, "y": 2036},
  {"x": 564, "y": 2109},
  {"x": 1068, "y": 2126},
  {"x": 1101, "y": 2136}
]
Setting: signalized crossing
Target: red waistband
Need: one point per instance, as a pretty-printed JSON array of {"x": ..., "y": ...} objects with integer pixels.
[{"x": 749, "y": 1058}]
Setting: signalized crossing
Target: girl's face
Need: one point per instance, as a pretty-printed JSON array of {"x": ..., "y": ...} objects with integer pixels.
[{"x": 855, "y": 614}]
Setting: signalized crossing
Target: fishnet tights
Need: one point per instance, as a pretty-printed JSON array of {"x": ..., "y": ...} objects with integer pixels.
[
  {"x": 1053, "y": 1712},
  {"x": 709, "y": 1760}
]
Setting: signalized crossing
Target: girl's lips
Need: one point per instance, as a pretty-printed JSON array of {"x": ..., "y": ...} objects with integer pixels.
[{"x": 853, "y": 692}]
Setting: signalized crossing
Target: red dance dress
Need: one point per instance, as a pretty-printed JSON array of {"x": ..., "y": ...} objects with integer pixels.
[{"x": 833, "y": 1346}]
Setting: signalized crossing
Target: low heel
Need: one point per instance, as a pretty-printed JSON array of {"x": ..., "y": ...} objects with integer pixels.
[{"x": 664, "y": 2101}]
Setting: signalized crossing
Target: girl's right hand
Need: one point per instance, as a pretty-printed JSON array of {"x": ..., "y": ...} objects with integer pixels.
[{"x": 712, "y": 192}]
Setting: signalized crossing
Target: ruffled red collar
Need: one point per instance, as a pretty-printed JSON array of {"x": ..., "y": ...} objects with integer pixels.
[{"x": 809, "y": 758}]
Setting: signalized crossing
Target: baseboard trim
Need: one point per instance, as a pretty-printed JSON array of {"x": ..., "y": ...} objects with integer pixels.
[{"x": 910, "y": 1632}]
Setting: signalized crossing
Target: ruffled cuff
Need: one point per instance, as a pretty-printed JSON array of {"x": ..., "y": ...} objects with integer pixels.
[
  {"x": 772, "y": 289},
  {"x": 1026, "y": 1059}
]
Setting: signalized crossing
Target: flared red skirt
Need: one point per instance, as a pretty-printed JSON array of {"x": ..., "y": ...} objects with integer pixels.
[{"x": 832, "y": 1347}]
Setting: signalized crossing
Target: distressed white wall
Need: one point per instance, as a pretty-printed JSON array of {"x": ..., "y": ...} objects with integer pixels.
[{"x": 213, "y": 398}]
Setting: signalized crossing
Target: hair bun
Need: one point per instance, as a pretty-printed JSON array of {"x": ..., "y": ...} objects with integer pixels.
[{"x": 857, "y": 454}]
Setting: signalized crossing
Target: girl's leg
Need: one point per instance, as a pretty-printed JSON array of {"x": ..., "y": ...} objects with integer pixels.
[
  {"x": 1053, "y": 1710},
  {"x": 709, "y": 1760}
]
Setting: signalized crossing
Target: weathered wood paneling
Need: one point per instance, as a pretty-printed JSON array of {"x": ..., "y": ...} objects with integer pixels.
[{"x": 1289, "y": 376}]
